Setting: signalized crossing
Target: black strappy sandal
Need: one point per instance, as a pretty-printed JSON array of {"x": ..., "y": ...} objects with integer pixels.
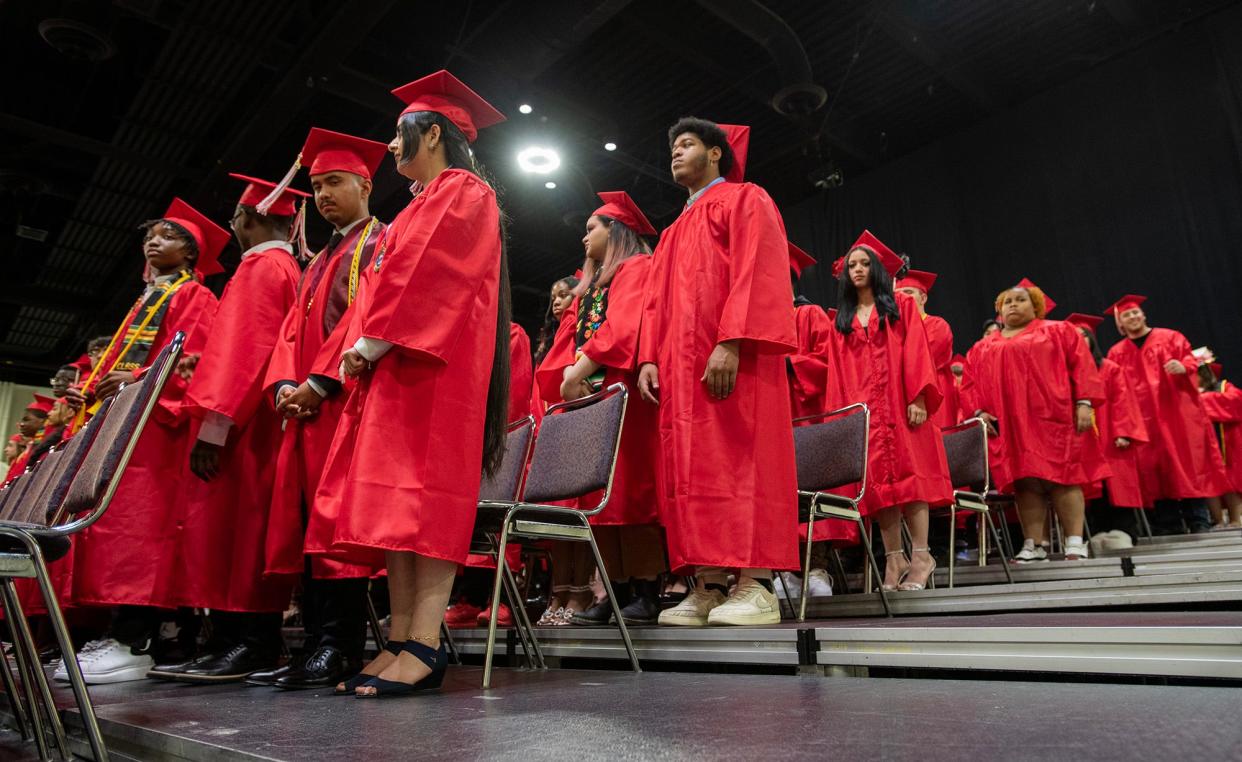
[
  {"x": 435, "y": 658},
  {"x": 352, "y": 683}
]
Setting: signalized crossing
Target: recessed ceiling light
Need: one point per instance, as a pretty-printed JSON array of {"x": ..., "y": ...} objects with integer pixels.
[
  {"x": 549, "y": 185},
  {"x": 538, "y": 160},
  {"x": 525, "y": 108},
  {"x": 610, "y": 146}
]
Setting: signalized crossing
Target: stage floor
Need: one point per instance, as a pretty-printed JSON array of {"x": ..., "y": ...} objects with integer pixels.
[{"x": 569, "y": 714}]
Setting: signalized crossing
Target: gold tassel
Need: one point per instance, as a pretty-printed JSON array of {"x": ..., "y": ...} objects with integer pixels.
[{"x": 263, "y": 206}]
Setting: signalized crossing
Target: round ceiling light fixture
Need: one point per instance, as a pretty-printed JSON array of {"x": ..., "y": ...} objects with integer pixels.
[{"x": 538, "y": 160}]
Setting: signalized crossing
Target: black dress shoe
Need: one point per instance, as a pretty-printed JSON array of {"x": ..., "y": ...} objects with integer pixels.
[
  {"x": 325, "y": 668},
  {"x": 268, "y": 677},
  {"x": 642, "y": 610},
  {"x": 172, "y": 670},
  {"x": 599, "y": 614},
  {"x": 228, "y": 667}
]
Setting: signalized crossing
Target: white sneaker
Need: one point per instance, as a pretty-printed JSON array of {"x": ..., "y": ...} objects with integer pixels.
[
  {"x": 1030, "y": 552},
  {"x": 820, "y": 585},
  {"x": 1075, "y": 548},
  {"x": 751, "y": 603},
  {"x": 694, "y": 608},
  {"x": 791, "y": 587},
  {"x": 60, "y": 674},
  {"x": 112, "y": 662}
]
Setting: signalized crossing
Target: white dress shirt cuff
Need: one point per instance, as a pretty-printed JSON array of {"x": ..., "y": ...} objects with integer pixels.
[
  {"x": 371, "y": 349},
  {"x": 215, "y": 428}
]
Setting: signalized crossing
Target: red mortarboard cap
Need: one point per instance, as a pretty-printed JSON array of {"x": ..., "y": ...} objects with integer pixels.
[
  {"x": 1215, "y": 368},
  {"x": 1049, "y": 305},
  {"x": 83, "y": 363},
  {"x": 41, "y": 403},
  {"x": 958, "y": 360},
  {"x": 210, "y": 237},
  {"x": 447, "y": 95},
  {"x": 918, "y": 279},
  {"x": 1083, "y": 320},
  {"x": 738, "y": 136},
  {"x": 257, "y": 190},
  {"x": 17, "y": 438},
  {"x": 799, "y": 260},
  {"x": 892, "y": 263},
  {"x": 1127, "y": 302},
  {"x": 619, "y": 206},
  {"x": 327, "y": 151}
]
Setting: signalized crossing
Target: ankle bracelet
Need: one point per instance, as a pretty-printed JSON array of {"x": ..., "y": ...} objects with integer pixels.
[{"x": 424, "y": 638}]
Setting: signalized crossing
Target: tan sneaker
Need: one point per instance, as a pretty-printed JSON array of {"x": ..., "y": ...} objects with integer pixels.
[
  {"x": 693, "y": 611},
  {"x": 751, "y": 603}
]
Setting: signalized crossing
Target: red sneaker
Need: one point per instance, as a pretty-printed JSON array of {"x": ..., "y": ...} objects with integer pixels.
[
  {"x": 461, "y": 614},
  {"x": 504, "y": 617}
]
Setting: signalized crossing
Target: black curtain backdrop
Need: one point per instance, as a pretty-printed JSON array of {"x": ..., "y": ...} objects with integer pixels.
[{"x": 1126, "y": 180}]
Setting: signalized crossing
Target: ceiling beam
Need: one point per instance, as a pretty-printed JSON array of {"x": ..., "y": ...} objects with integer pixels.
[{"x": 65, "y": 139}]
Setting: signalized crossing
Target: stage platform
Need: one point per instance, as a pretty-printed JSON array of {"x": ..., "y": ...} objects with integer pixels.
[{"x": 573, "y": 714}]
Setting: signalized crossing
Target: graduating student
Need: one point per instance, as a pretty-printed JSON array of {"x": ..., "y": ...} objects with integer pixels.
[
  {"x": 122, "y": 561},
  {"x": 878, "y": 354},
  {"x": 717, "y": 326},
  {"x": 334, "y": 603},
  {"x": 917, "y": 284},
  {"x": 1181, "y": 466},
  {"x": 808, "y": 371},
  {"x": 1223, "y": 403},
  {"x": 218, "y": 555},
  {"x": 30, "y": 427},
  {"x": 1119, "y": 421},
  {"x": 1036, "y": 385},
  {"x": 433, "y": 385},
  {"x": 602, "y": 349}
]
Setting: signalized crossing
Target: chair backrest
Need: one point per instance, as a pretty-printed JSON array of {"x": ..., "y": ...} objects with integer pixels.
[
  {"x": 12, "y": 494},
  {"x": 966, "y": 447},
  {"x": 576, "y": 448},
  {"x": 504, "y": 485},
  {"x": 833, "y": 453},
  {"x": 40, "y": 480},
  {"x": 92, "y": 487}
]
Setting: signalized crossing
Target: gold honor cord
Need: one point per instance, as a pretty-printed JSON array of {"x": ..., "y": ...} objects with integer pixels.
[
  {"x": 151, "y": 312},
  {"x": 353, "y": 265}
]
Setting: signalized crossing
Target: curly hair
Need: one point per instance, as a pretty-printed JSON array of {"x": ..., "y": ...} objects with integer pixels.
[{"x": 1037, "y": 299}]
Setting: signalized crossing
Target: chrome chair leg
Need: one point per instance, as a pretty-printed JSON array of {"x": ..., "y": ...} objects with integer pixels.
[
  {"x": 806, "y": 565},
  {"x": 21, "y": 656},
  {"x": 952, "y": 540},
  {"x": 40, "y": 681},
  {"x": 508, "y": 586},
  {"x": 888, "y": 611},
  {"x": 1000, "y": 548},
  {"x": 10, "y": 685},
  {"x": 612, "y": 598},
  {"x": 523, "y": 618},
  {"x": 450, "y": 645},
  {"x": 490, "y": 651},
  {"x": 373, "y": 619}
]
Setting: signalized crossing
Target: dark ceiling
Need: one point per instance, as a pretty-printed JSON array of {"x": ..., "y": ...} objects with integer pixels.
[{"x": 111, "y": 109}]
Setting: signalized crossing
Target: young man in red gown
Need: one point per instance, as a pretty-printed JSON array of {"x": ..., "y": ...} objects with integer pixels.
[
  {"x": 334, "y": 603},
  {"x": 122, "y": 561},
  {"x": 718, "y": 324},
  {"x": 222, "y": 519},
  {"x": 1181, "y": 466}
]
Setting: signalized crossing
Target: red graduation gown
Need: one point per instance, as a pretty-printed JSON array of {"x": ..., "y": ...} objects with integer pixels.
[
  {"x": 1030, "y": 382},
  {"x": 614, "y": 345},
  {"x": 404, "y": 470},
  {"x": 1119, "y": 416},
  {"x": 888, "y": 368},
  {"x": 123, "y": 558},
  {"x": 1225, "y": 410},
  {"x": 1182, "y": 460},
  {"x": 940, "y": 343},
  {"x": 808, "y": 370},
  {"x": 727, "y": 477},
  {"x": 315, "y": 325},
  {"x": 219, "y": 555}
]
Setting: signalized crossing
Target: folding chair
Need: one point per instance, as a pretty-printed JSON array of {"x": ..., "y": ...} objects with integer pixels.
[
  {"x": 831, "y": 454},
  {"x": 966, "y": 447},
  {"x": 79, "y": 489},
  {"x": 505, "y": 486},
  {"x": 575, "y": 454}
]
